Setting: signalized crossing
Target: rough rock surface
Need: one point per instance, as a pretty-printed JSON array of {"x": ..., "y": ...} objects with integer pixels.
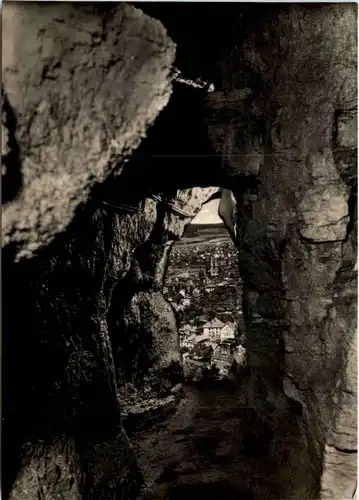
[
  {"x": 82, "y": 86},
  {"x": 296, "y": 232}
]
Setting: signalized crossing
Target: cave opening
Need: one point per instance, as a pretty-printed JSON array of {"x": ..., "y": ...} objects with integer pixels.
[
  {"x": 204, "y": 287},
  {"x": 174, "y": 170},
  {"x": 116, "y": 246}
]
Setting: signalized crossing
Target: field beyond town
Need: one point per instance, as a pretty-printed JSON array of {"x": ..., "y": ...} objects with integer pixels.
[{"x": 197, "y": 234}]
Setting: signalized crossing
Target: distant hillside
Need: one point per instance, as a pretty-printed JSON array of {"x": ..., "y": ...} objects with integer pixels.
[
  {"x": 209, "y": 230},
  {"x": 204, "y": 229},
  {"x": 200, "y": 233}
]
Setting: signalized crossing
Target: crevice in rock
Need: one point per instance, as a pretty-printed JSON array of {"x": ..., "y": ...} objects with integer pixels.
[
  {"x": 353, "y": 212},
  {"x": 11, "y": 168},
  {"x": 343, "y": 450}
]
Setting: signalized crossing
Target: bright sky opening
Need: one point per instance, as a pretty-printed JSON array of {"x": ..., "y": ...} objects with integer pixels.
[{"x": 208, "y": 214}]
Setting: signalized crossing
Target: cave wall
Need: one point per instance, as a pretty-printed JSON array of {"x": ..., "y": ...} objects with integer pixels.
[
  {"x": 82, "y": 84},
  {"x": 95, "y": 308},
  {"x": 289, "y": 88},
  {"x": 80, "y": 87}
]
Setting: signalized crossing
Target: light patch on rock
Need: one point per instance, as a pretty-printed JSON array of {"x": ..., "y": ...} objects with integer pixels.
[
  {"x": 227, "y": 211},
  {"x": 325, "y": 215},
  {"x": 322, "y": 166},
  {"x": 4, "y": 140},
  {"x": 339, "y": 476},
  {"x": 347, "y": 128},
  {"x": 57, "y": 460}
]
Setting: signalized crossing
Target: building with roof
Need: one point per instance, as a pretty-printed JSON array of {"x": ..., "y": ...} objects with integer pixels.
[
  {"x": 222, "y": 357},
  {"x": 218, "y": 331},
  {"x": 228, "y": 332},
  {"x": 213, "y": 329}
]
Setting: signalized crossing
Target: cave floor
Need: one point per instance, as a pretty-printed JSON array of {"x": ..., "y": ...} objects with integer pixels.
[{"x": 214, "y": 445}]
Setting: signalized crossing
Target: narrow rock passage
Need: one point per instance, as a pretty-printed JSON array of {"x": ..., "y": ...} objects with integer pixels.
[{"x": 214, "y": 445}]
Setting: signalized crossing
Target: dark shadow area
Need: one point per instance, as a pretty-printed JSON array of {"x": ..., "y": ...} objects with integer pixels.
[
  {"x": 176, "y": 154},
  {"x": 212, "y": 491},
  {"x": 11, "y": 162},
  {"x": 204, "y": 36}
]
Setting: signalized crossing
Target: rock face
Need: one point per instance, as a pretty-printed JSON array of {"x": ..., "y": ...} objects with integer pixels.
[
  {"x": 81, "y": 86},
  {"x": 296, "y": 232},
  {"x": 59, "y": 150},
  {"x": 88, "y": 339}
]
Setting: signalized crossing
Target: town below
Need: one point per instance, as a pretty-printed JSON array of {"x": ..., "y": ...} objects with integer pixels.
[{"x": 204, "y": 287}]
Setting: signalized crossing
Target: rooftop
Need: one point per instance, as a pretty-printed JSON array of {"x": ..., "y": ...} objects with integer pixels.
[
  {"x": 215, "y": 323},
  {"x": 232, "y": 326}
]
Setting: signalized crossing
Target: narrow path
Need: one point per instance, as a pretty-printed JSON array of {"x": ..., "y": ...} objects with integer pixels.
[{"x": 213, "y": 446}]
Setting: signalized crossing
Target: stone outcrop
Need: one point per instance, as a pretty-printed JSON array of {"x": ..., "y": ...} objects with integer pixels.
[
  {"x": 59, "y": 62},
  {"x": 84, "y": 319},
  {"x": 296, "y": 231}
]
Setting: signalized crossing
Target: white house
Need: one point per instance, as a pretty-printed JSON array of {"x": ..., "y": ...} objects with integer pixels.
[
  {"x": 213, "y": 329},
  {"x": 228, "y": 332}
]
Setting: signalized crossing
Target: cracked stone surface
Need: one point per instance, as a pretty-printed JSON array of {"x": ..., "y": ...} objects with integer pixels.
[
  {"x": 65, "y": 149},
  {"x": 325, "y": 213},
  {"x": 296, "y": 231}
]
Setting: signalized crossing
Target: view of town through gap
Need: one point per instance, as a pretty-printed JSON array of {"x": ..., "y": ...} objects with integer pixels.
[{"x": 203, "y": 285}]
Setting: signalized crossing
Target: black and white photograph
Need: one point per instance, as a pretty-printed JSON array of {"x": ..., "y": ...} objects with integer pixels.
[{"x": 179, "y": 250}]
